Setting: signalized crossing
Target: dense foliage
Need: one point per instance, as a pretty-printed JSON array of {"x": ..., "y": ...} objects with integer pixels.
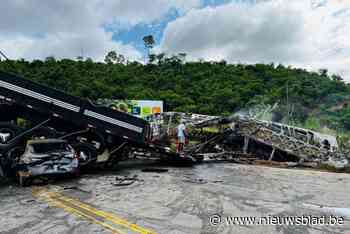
[{"x": 214, "y": 88}]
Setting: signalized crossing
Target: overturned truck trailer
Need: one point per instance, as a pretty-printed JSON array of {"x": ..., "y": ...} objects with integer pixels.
[{"x": 29, "y": 110}]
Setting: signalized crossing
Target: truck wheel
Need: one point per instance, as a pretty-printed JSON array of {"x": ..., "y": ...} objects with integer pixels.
[
  {"x": 8, "y": 131},
  {"x": 87, "y": 153},
  {"x": 92, "y": 138},
  {"x": 12, "y": 159},
  {"x": 95, "y": 139}
]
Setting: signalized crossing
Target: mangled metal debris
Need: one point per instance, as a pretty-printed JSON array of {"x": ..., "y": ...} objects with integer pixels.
[
  {"x": 247, "y": 140},
  {"x": 126, "y": 180}
]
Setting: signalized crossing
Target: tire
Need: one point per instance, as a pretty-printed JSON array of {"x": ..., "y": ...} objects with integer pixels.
[
  {"x": 89, "y": 138},
  {"x": 97, "y": 137},
  {"x": 13, "y": 156},
  {"x": 87, "y": 154},
  {"x": 8, "y": 131}
]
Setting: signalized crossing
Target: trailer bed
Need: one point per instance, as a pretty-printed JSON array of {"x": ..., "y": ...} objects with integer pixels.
[{"x": 79, "y": 112}]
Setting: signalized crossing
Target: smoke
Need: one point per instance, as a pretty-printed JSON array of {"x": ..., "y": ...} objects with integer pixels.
[{"x": 265, "y": 112}]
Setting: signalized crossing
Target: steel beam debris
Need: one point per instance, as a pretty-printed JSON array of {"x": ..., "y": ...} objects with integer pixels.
[{"x": 239, "y": 138}]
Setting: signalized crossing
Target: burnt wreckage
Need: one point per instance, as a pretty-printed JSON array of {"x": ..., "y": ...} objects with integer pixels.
[{"x": 248, "y": 140}]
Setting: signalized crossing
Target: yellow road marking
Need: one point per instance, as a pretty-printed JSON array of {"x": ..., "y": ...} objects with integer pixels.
[
  {"x": 78, "y": 208},
  {"x": 81, "y": 214}
]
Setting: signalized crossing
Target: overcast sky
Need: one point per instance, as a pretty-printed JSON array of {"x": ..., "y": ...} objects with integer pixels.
[{"x": 312, "y": 34}]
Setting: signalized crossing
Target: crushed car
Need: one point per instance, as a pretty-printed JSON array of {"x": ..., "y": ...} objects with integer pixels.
[{"x": 47, "y": 158}]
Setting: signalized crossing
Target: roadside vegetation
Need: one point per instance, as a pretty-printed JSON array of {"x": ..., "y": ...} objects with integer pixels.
[{"x": 316, "y": 100}]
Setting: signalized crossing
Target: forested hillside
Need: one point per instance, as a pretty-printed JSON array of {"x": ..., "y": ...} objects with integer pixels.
[{"x": 215, "y": 88}]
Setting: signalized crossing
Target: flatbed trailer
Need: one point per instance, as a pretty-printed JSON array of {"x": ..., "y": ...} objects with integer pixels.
[{"x": 50, "y": 113}]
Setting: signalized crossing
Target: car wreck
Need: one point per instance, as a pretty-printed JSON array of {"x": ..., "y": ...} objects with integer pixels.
[{"x": 48, "y": 157}]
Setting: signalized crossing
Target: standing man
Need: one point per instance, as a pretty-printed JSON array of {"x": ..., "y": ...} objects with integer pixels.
[{"x": 181, "y": 136}]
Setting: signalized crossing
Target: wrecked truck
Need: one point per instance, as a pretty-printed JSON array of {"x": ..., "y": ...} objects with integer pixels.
[{"x": 30, "y": 111}]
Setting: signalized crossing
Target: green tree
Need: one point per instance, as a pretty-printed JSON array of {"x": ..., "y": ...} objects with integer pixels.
[{"x": 149, "y": 43}]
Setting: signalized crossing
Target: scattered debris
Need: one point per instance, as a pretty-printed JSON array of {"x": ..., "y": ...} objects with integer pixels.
[
  {"x": 71, "y": 188},
  {"x": 125, "y": 180},
  {"x": 157, "y": 170},
  {"x": 30, "y": 201},
  {"x": 76, "y": 188},
  {"x": 201, "y": 181},
  {"x": 196, "y": 181},
  {"x": 217, "y": 181}
]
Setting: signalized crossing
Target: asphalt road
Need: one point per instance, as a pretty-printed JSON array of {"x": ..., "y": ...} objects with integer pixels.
[{"x": 181, "y": 200}]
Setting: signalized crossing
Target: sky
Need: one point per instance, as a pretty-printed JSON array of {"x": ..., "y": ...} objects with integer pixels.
[{"x": 311, "y": 34}]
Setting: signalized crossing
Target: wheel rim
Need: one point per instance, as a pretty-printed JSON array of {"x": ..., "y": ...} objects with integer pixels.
[
  {"x": 95, "y": 142},
  {"x": 6, "y": 135},
  {"x": 84, "y": 157}
]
